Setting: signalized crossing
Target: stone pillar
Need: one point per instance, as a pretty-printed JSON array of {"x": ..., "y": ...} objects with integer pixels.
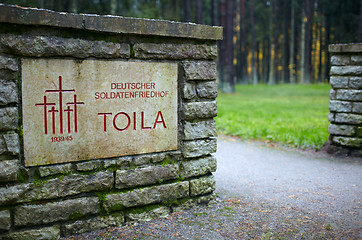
[
  {"x": 345, "y": 104},
  {"x": 44, "y": 199}
]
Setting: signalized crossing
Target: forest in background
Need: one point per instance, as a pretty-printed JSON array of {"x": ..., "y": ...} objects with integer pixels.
[{"x": 265, "y": 41}]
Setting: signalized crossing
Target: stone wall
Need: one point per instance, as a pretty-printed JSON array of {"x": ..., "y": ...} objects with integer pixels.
[
  {"x": 57, "y": 200},
  {"x": 346, "y": 99}
]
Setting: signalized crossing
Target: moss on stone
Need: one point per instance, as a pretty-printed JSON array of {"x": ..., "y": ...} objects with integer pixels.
[
  {"x": 143, "y": 209},
  {"x": 23, "y": 176},
  {"x": 76, "y": 216},
  {"x": 170, "y": 202},
  {"x": 116, "y": 207}
]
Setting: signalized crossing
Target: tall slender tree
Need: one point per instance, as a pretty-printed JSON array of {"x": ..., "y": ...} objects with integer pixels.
[
  {"x": 187, "y": 11},
  {"x": 199, "y": 11},
  {"x": 292, "y": 69},
  {"x": 302, "y": 46},
  {"x": 360, "y": 24},
  {"x": 309, "y": 10},
  {"x": 254, "y": 74},
  {"x": 243, "y": 67},
  {"x": 214, "y": 8}
]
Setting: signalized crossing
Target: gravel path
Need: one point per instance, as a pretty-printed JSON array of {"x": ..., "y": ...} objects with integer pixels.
[{"x": 265, "y": 193}]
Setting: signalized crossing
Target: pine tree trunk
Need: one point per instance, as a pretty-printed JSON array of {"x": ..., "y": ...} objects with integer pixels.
[
  {"x": 222, "y": 44},
  {"x": 292, "y": 70},
  {"x": 214, "y": 8},
  {"x": 199, "y": 11},
  {"x": 243, "y": 78},
  {"x": 229, "y": 86},
  {"x": 360, "y": 24},
  {"x": 286, "y": 22},
  {"x": 254, "y": 75},
  {"x": 113, "y": 7},
  {"x": 187, "y": 11},
  {"x": 302, "y": 48},
  {"x": 308, "y": 40},
  {"x": 271, "y": 79}
]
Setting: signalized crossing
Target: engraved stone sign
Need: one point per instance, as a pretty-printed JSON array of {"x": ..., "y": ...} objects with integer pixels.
[{"x": 87, "y": 109}]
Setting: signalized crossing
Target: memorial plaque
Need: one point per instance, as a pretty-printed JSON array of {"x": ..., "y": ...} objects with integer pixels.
[{"x": 78, "y": 110}]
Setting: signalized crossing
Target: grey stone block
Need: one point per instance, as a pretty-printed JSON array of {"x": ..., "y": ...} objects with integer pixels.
[
  {"x": 56, "y": 188},
  {"x": 8, "y": 92},
  {"x": 340, "y": 106},
  {"x": 355, "y": 82},
  {"x": 8, "y": 63},
  {"x": 198, "y": 167},
  {"x": 357, "y": 107},
  {"x": 110, "y": 24},
  {"x": 346, "y": 70},
  {"x": 13, "y": 194},
  {"x": 331, "y": 117},
  {"x": 188, "y": 91},
  {"x": 93, "y": 224},
  {"x": 348, "y": 118},
  {"x": 200, "y": 129},
  {"x": 145, "y": 176},
  {"x": 202, "y": 185},
  {"x": 159, "y": 212},
  {"x": 200, "y": 70},
  {"x": 348, "y": 94},
  {"x": 332, "y": 94},
  {"x": 345, "y": 130},
  {"x": 348, "y": 141},
  {"x": 9, "y": 144},
  {"x": 122, "y": 162},
  {"x": 55, "y": 169},
  {"x": 174, "y": 51},
  {"x": 356, "y": 59},
  {"x": 197, "y": 110},
  {"x": 340, "y": 60},
  {"x": 9, "y": 170},
  {"x": 8, "y": 118},
  {"x": 359, "y": 132},
  {"x": 148, "y": 158},
  {"x": 42, "y": 46},
  {"x": 146, "y": 196},
  {"x": 339, "y": 82},
  {"x": 89, "y": 165},
  {"x": 193, "y": 202},
  {"x": 5, "y": 220},
  {"x": 197, "y": 148},
  {"x": 27, "y": 215},
  {"x": 345, "y": 48},
  {"x": 47, "y": 233},
  {"x": 158, "y": 157},
  {"x": 207, "y": 89},
  {"x": 142, "y": 160}
]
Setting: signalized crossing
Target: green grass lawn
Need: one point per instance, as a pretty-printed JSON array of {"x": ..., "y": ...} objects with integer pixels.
[{"x": 296, "y": 115}]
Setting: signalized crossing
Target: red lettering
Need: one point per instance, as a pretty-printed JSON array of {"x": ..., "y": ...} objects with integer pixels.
[
  {"x": 105, "y": 120},
  {"x": 114, "y": 121},
  {"x": 159, "y": 114},
  {"x": 134, "y": 120},
  {"x": 142, "y": 122},
  {"x": 113, "y": 86}
]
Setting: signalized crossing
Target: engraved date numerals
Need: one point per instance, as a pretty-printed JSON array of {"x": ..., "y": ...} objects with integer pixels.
[{"x": 62, "y": 139}]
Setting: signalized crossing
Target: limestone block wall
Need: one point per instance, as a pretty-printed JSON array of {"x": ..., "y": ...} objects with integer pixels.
[
  {"x": 346, "y": 99},
  {"x": 62, "y": 199}
]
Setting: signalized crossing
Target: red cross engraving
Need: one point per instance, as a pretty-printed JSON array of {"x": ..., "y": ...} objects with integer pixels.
[
  {"x": 53, "y": 111},
  {"x": 60, "y": 91},
  {"x": 75, "y": 103},
  {"x": 68, "y": 110},
  {"x": 45, "y": 104}
]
